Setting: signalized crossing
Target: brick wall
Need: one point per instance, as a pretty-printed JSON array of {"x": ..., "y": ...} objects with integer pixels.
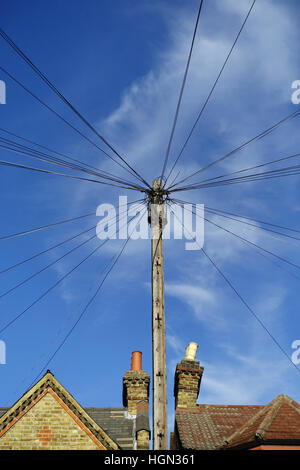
[
  {"x": 135, "y": 389},
  {"x": 187, "y": 383},
  {"x": 47, "y": 425},
  {"x": 143, "y": 440}
]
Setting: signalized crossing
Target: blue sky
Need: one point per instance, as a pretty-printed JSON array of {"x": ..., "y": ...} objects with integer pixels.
[{"x": 121, "y": 64}]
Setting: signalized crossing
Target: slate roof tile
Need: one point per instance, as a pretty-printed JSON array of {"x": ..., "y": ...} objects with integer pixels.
[{"x": 114, "y": 422}]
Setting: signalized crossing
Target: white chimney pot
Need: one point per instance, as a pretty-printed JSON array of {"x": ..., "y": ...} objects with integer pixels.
[{"x": 190, "y": 352}]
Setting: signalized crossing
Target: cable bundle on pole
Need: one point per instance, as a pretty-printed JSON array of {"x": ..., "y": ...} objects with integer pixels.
[{"x": 67, "y": 102}]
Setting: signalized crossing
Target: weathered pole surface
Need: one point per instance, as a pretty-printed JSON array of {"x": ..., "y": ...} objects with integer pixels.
[{"x": 159, "y": 383}]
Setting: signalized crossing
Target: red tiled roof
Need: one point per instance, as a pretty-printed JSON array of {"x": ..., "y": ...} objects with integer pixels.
[
  {"x": 278, "y": 421},
  {"x": 207, "y": 426}
]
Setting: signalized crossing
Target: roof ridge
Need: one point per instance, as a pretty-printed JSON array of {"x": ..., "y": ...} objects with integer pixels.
[
  {"x": 264, "y": 418},
  {"x": 250, "y": 421},
  {"x": 272, "y": 410}
]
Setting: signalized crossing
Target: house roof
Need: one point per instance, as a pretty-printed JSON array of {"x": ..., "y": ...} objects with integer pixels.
[
  {"x": 207, "y": 426},
  {"x": 279, "y": 421},
  {"x": 115, "y": 423},
  {"x": 48, "y": 384}
]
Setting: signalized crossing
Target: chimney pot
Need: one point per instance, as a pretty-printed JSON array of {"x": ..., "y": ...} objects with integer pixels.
[
  {"x": 136, "y": 360},
  {"x": 190, "y": 351}
]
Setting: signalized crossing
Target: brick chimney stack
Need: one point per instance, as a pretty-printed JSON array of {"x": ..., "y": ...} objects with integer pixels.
[
  {"x": 136, "y": 399},
  {"x": 135, "y": 384},
  {"x": 187, "y": 379}
]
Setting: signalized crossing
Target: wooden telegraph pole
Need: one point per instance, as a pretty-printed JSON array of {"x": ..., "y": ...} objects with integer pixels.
[{"x": 159, "y": 383}]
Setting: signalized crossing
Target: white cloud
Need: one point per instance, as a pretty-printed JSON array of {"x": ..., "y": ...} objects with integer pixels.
[
  {"x": 197, "y": 297},
  {"x": 245, "y": 380},
  {"x": 175, "y": 343}
]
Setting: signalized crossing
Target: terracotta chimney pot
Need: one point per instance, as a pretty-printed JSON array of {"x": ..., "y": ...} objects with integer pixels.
[{"x": 136, "y": 360}]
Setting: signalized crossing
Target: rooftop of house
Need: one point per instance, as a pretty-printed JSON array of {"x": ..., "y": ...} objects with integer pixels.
[
  {"x": 114, "y": 421},
  {"x": 212, "y": 427},
  {"x": 113, "y": 428},
  {"x": 208, "y": 427},
  {"x": 277, "y": 422}
]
